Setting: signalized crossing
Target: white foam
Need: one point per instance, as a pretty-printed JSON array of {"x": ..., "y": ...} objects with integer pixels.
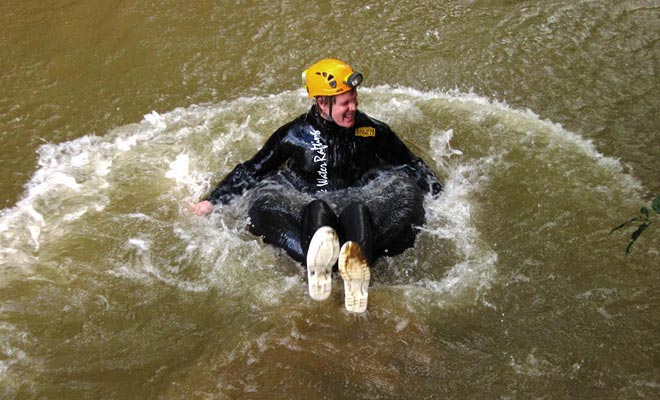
[
  {"x": 140, "y": 244},
  {"x": 12, "y": 355},
  {"x": 179, "y": 168},
  {"x": 142, "y": 267},
  {"x": 75, "y": 215},
  {"x": 449, "y": 217},
  {"x": 75, "y": 172},
  {"x": 156, "y": 120},
  {"x": 482, "y": 106}
]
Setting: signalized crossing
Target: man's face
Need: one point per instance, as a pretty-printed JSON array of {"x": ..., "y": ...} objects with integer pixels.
[{"x": 344, "y": 108}]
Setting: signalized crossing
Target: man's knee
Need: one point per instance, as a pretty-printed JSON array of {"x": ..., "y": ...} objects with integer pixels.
[
  {"x": 318, "y": 206},
  {"x": 356, "y": 211}
]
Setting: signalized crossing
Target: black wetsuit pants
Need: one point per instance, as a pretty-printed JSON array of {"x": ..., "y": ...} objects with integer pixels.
[{"x": 354, "y": 224}]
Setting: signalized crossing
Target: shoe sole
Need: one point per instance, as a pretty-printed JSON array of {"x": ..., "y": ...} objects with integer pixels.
[
  {"x": 354, "y": 270},
  {"x": 321, "y": 256}
]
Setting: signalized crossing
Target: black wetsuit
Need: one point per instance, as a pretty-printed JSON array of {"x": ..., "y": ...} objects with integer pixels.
[{"x": 311, "y": 170}]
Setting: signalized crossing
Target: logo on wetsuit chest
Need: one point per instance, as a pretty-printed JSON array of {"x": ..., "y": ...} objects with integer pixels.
[
  {"x": 365, "y": 131},
  {"x": 320, "y": 159}
]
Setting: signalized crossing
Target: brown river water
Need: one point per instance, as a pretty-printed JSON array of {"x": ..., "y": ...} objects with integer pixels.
[{"x": 541, "y": 117}]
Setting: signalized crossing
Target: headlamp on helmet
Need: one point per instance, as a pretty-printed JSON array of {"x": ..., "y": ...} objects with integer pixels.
[{"x": 354, "y": 79}]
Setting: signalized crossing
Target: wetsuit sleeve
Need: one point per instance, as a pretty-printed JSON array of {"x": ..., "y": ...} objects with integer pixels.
[
  {"x": 269, "y": 158},
  {"x": 393, "y": 151}
]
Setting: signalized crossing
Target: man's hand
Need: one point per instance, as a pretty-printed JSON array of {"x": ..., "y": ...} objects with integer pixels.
[{"x": 202, "y": 208}]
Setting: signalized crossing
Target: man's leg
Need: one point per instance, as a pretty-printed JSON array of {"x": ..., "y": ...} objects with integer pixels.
[
  {"x": 356, "y": 255},
  {"x": 315, "y": 215},
  {"x": 356, "y": 225},
  {"x": 278, "y": 225},
  {"x": 320, "y": 243}
]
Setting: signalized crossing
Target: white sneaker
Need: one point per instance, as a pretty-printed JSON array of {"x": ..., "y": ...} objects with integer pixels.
[
  {"x": 354, "y": 269},
  {"x": 321, "y": 256}
]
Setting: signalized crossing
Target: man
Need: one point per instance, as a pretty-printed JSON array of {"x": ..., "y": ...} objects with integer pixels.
[{"x": 331, "y": 176}]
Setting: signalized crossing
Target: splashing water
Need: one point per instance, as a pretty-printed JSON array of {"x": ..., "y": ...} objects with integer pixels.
[{"x": 142, "y": 291}]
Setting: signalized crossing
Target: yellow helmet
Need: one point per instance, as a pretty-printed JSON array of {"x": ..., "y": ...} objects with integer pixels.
[{"x": 330, "y": 77}]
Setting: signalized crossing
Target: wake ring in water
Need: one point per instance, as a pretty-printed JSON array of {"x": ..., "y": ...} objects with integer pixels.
[{"x": 93, "y": 187}]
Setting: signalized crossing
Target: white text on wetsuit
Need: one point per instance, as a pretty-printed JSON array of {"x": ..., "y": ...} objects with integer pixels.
[{"x": 320, "y": 158}]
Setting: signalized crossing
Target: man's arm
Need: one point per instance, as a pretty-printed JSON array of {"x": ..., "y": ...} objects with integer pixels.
[{"x": 269, "y": 158}]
